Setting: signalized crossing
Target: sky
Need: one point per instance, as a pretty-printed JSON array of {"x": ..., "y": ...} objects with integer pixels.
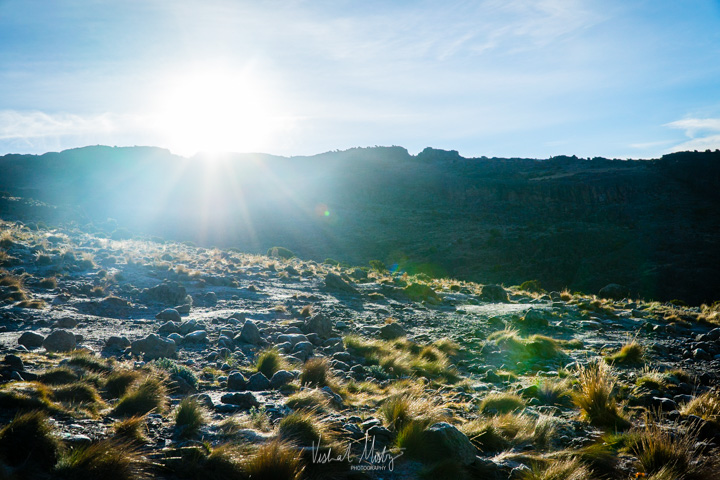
[{"x": 507, "y": 78}]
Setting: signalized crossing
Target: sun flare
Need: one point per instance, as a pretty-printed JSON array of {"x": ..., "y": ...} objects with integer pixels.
[{"x": 215, "y": 111}]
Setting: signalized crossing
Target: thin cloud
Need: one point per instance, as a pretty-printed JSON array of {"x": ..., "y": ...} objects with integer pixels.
[{"x": 704, "y": 133}]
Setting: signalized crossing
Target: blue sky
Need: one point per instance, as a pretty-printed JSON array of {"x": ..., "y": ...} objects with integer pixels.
[{"x": 530, "y": 78}]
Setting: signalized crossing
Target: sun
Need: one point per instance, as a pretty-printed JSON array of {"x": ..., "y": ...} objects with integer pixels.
[{"x": 215, "y": 110}]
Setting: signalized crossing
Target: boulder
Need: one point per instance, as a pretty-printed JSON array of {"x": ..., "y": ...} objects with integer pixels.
[
  {"x": 250, "y": 333},
  {"x": 533, "y": 318},
  {"x": 319, "y": 324},
  {"x": 66, "y": 322},
  {"x": 153, "y": 347},
  {"x": 335, "y": 282},
  {"x": 117, "y": 342},
  {"x": 198, "y": 336},
  {"x": 614, "y": 291},
  {"x": 494, "y": 293},
  {"x": 59, "y": 341},
  {"x": 281, "y": 378},
  {"x": 418, "y": 292},
  {"x": 391, "y": 331},
  {"x": 258, "y": 382},
  {"x": 236, "y": 382},
  {"x": 169, "y": 327},
  {"x": 451, "y": 443},
  {"x": 168, "y": 293},
  {"x": 169, "y": 314},
  {"x": 31, "y": 340},
  {"x": 244, "y": 400}
]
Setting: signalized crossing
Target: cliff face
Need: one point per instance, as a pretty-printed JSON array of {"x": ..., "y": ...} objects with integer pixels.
[{"x": 567, "y": 222}]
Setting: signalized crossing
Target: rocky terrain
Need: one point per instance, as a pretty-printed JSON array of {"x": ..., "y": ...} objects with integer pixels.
[
  {"x": 128, "y": 358},
  {"x": 568, "y": 222}
]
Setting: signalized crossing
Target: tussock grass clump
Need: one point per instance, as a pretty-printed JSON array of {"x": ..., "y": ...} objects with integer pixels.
[
  {"x": 189, "y": 417},
  {"x": 26, "y": 396},
  {"x": 595, "y": 397},
  {"x": 532, "y": 348},
  {"x": 308, "y": 399},
  {"x": 302, "y": 429},
  {"x": 554, "y": 392},
  {"x": 403, "y": 357},
  {"x": 29, "y": 440},
  {"x": 631, "y": 353},
  {"x": 89, "y": 362},
  {"x": 316, "y": 372},
  {"x": 498, "y": 433},
  {"x": 58, "y": 376},
  {"x": 270, "y": 361},
  {"x": 274, "y": 461},
  {"x": 670, "y": 450},
  {"x": 119, "y": 381},
  {"x": 400, "y": 410},
  {"x": 705, "y": 406},
  {"x": 48, "y": 283},
  {"x": 78, "y": 393},
  {"x": 148, "y": 396},
  {"x": 131, "y": 430},
  {"x": 567, "y": 469},
  {"x": 171, "y": 367},
  {"x": 103, "y": 460},
  {"x": 412, "y": 439},
  {"x": 499, "y": 403}
]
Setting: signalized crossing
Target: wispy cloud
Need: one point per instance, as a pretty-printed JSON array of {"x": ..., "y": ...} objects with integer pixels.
[{"x": 703, "y": 133}]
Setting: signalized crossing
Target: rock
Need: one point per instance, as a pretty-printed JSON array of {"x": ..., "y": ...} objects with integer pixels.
[
  {"x": 418, "y": 292},
  {"x": 169, "y": 314},
  {"x": 494, "y": 293},
  {"x": 391, "y": 331},
  {"x": 701, "y": 354},
  {"x": 203, "y": 399},
  {"x": 59, "y": 341},
  {"x": 379, "y": 434},
  {"x": 14, "y": 362},
  {"x": 117, "y": 342},
  {"x": 614, "y": 291},
  {"x": 210, "y": 299},
  {"x": 175, "y": 337},
  {"x": 67, "y": 322},
  {"x": 183, "y": 309},
  {"x": 534, "y": 318},
  {"x": 169, "y": 293},
  {"x": 190, "y": 326},
  {"x": 335, "y": 282},
  {"x": 293, "y": 338},
  {"x": 451, "y": 443},
  {"x": 250, "y": 333},
  {"x": 198, "y": 336},
  {"x": 258, "y": 382},
  {"x": 281, "y": 378},
  {"x": 169, "y": 327},
  {"x": 713, "y": 334},
  {"x": 226, "y": 343},
  {"x": 244, "y": 400},
  {"x": 236, "y": 382},
  {"x": 318, "y": 324},
  {"x": 302, "y": 349},
  {"x": 153, "y": 347},
  {"x": 31, "y": 340},
  {"x": 664, "y": 404}
]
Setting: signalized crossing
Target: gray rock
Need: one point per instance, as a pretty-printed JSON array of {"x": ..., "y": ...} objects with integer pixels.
[
  {"x": 183, "y": 309},
  {"x": 303, "y": 348},
  {"x": 318, "y": 324},
  {"x": 701, "y": 354},
  {"x": 153, "y": 347},
  {"x": 236, "y": 382},
  {"x": 534, "y": 318},
  {"x": 664, "y": 404},
  {"x": 293, "y": 338},
  {"x": 250, "y": 333},
  {"x": 335, "y": 282},
  {"x": 281, "y": 378},
  {"x": 169, "y": 314},
  {"x": 67, "y": 322},
  {"x": 391, "y": 331},
  {"x": 176, "y": 337},
  {"x": 258, "y": 382},
  {"x": 31, "y": 340},
  {"x": 614, "y": 291},
  {"x": 198, "y": 336},
  {"x": 169, "y": 293},
  {"x": 203, "y": 399},
  {"x": 169, "y": 327},
  {"x": 117, "y": 342},
  {"x": 494, "y": 293},
  {"x": 14, "y": 362},
  {"x": 59, "y": 341},
  {"x": 226, "y": 342},
  {"x": 190, "y": 326},
  {"x": 243, "y": 400},
  {"x": 380, "y": 434},
  {"x": 452, "y": 443}
]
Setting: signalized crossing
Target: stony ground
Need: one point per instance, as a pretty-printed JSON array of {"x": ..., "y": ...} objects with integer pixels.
[{"x": 401, "y": 377}]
